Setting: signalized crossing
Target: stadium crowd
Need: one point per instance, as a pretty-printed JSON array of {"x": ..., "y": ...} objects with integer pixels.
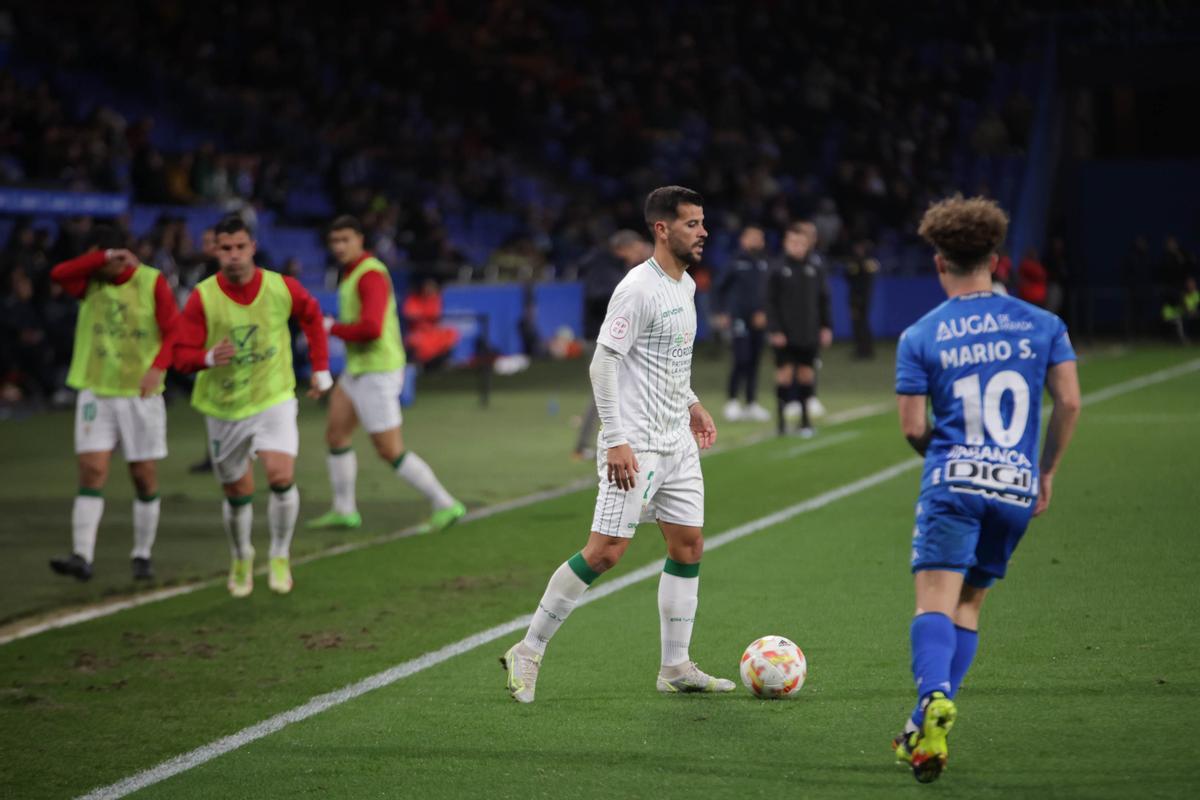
[{"x": 854, "y": 120}]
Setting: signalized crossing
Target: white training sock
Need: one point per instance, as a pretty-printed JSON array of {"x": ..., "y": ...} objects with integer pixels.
[
  {"x": 145, "y": 526},
  {"x": 343, "y": 471},
  {"x": 562, "y": 593},
  {"x": 85, "y": 521},
  {"x": 282, "y": 510},
  {"x": 239, "y": 522},
  {"x": 677, "y": 601},
  {"x": 413, "y": 469}
]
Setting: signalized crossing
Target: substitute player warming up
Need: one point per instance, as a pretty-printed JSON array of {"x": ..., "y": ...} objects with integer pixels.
[
  {"x": 648, "y": 451},
  {"x": 234, "y": 332},
  {"x": 982, "y": 359},
  {"x": 369, "y": 390},
  {"x": 123, "y": 346}
]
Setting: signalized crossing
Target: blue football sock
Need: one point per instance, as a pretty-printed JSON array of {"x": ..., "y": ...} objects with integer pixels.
[
  {"x": 966, "y": 641},
  {"x": 932, "y": 635}
]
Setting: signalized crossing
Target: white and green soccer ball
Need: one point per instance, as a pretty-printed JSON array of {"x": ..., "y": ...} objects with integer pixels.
[{"x": 774, "y": 667}]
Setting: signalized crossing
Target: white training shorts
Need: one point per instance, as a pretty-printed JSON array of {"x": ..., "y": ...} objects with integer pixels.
[
  {"x": 234, "y": 443},
  {"x": 376, "y": 398},
  {"x": 139, "y": 424},
  {"x": 670, "y": 487}
]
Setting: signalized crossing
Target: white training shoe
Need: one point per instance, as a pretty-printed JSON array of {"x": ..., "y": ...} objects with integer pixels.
[
  {"x": 691, "y": 679},
  {"x": 733, "y": 411},
  {"x": 522, "y": 665},
  {"x": 791, "y": 411},
  {"x": 757, "y": 413},
  {"x": 816, "y": 409}
]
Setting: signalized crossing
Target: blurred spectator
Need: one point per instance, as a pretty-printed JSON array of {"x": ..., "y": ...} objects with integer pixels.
[
  {"x": 861, "y": 270},
  {"x": 1058, "y": 273},
  {"x": 1137, "y": 272},
  {"x": 1032, "y": 279},
  {"x": 26, "y": 359},
  {"x": 1181, "y": 300},
  {"x": 990, "y": 137},
  {"x": 829, "y": 224},
  {"x": 1002, "y": 275},
  {"x": 742, "y": 311},
  {"x": 427, "y": 341}
]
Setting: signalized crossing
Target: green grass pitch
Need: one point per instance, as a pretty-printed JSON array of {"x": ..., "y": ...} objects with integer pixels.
[{"x": 1087, "y": 682}]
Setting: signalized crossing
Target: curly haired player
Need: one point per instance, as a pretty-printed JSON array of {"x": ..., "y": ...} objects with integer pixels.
[{"x": 981, "y": 360}]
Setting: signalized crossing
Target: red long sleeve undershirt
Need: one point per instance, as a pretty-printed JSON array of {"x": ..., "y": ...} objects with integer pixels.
[
  {"x": 193, "y": 329},
  {"x": 373, "y": 298},
  {"x": 74, "y": 275}
]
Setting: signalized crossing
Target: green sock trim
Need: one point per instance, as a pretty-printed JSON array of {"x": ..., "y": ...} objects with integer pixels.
[
  {"x": 338, "y": 451},
  {"x": 399, "y": 460},
  {"x": 147, "y": 498},
  {"x": 239, "y": 501},
  {"x": 672, "y": 567},
  {"x": 284, "y": 489},
  {"x": 580, "y": 567},
  {"x": 85, "y": 492}
]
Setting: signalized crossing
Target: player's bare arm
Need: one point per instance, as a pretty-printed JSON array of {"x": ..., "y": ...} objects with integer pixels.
[
  {"x": 1062, "y": 382},
  {"x": 914, "y": 422}
]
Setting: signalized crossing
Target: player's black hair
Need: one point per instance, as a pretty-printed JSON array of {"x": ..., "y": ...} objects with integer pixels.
[
  {"x": 232, "y": 224},
  {"x": 104, "y": 237},
  {"x": 662, "y": 205},
  {"x": 346, "y": 222}
]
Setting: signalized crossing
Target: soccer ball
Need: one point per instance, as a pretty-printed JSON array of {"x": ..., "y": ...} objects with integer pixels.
[{"x": 774, "y": 667}]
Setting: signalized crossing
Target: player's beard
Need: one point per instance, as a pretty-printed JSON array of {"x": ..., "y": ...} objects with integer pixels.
[{"x": 684, "y": 254}]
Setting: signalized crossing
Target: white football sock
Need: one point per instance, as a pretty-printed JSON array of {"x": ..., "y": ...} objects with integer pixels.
[
  {"x": 239, "y": 522},
  {"x": 343, "y": 471},
  {"x": 562, "y": 593},
  {"x": 85, "y": 521},
  {"x": 677, "y": 602},
  {"x": 412, "y": 468},
  {"x": 145, "y": 526},
  {"x": 282, "y": 510}
]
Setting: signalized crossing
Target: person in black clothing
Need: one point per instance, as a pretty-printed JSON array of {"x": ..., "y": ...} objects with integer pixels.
[
  {"x": 742, "y": 301},
  {"x": 861, "y": 270},
  {"x": 1181, "y": 298},
  {"x": 798, "y": 321}
]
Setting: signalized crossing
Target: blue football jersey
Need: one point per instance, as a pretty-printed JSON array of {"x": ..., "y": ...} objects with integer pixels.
[{"x": 982, "y": 360}]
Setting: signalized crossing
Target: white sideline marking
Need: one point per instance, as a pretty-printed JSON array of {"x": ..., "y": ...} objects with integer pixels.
[
  {"x": 323, "y": 702},
  {"x": 817, "y": 444},
  {"x": 1149, "y": 379},
  {"x": 107, "y": 608},
  {"x": 316, "y": 705}
]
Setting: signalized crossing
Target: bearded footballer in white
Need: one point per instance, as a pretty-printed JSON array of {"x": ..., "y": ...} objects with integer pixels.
[{"x": 648, "y": 452}]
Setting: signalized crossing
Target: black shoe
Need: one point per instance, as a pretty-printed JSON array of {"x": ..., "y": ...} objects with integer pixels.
[
  {"x": 201, "y": 467},
  {"x": 72, "y": 565},
  {"x": 142, "y": 569}
]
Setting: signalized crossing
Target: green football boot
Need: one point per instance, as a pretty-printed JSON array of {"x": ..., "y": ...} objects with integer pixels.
[
  {"x": 443, "y": 518},
  {"x": 929, "y": 753},
  {"x": 279, "y": 578},
  {"x": 241, "y": 576},
  {"x": 332, "y": 520}
]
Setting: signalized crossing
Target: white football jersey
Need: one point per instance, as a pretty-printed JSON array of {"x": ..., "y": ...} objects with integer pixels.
[{"x": 652, "y": 321}]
